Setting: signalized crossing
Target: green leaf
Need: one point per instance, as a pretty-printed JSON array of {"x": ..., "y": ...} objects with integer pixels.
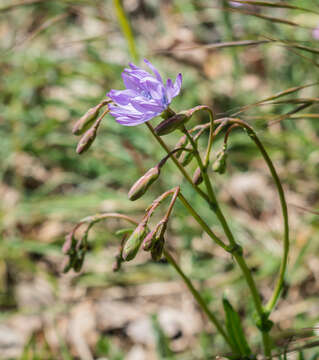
[{"x": 235, "y": 330}]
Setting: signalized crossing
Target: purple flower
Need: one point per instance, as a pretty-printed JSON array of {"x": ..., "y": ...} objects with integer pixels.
[
  {"x": 315, "y": 33},
  {"x": 145, "y": 96}
]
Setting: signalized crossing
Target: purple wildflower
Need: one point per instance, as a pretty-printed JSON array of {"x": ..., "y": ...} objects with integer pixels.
[
  {"x": 145, "y": 96},
  {"x": 315, "y": 33}
]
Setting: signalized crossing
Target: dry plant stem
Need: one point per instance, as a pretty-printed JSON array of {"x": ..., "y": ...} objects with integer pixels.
[
  {"x": 272, "y": 302},
  {"x": 198, "y": 297}
]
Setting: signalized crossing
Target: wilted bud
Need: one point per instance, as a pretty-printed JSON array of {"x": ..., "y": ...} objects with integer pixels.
[
  {"x": 197, "y": 177},
  {"x": 86, "y": 120},
  {"x": 133, "y": 243},
  {"x": 181, "y": 144},
  {"x": 86, "y": 140},
  {"x": 157, "y": 249},
  {"x": 186, "y": 157},
  {"x": 143, "y": 183},
  {"x": 219, "y": 165},
  {"x": 171, "y": 124}
]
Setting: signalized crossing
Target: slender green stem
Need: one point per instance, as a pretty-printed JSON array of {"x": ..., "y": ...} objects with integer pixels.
[
  {"x": 198, "y": 298},
  {"x": 201, "y": 222},
  {"x": 251, "y": 283},
  {"x": 212, "y": 198},
  {"x": 272, "y": 302},
  {"x": 233, "y": 244},
  {"x": 212, "y": 201}
]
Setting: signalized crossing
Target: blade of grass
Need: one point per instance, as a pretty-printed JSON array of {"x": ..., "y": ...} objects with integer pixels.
[
  {"x": 126, "y": 28},
  {"x": 288, "y": 115},
  {"x": 279, "y": 4},
  {"x": 275, "y": 96},
  {"x": 214, "y": 46},
  {"x": 266, "y": 17}
]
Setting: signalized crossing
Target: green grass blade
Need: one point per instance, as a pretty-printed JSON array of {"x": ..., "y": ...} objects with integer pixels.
[{"x": 126, "y": 28}]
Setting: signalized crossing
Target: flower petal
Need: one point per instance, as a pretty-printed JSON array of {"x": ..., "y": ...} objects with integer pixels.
[
  {"x": 141, "y": 104},
  {"x": 129, "y": 122},
  {"x": 173, "y": 90},
  {"x": 122, "y": 97},
  {"x": 155, "y": 71}
]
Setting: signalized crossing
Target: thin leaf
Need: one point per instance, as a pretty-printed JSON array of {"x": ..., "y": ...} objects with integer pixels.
[{"x": 235, "y": 330}]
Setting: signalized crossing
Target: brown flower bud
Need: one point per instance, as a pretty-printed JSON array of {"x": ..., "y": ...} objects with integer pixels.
[
  {"x": 171, "y": 124},
  {"x": 142, "y": 184},
  {"x": 197, "y": 177},
  {"x": 157, "y": 249},
  {"x": 133, "y": 243},
  {"x": 85, "y": 122},
  {"x": 149, "y": 240},
  {"x": 86, "y": 140}
]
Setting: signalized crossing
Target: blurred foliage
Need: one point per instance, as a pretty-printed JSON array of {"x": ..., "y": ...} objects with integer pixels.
[{"x": 58, "y": 58}]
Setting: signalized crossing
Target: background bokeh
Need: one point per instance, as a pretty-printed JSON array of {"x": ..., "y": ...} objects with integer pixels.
[{"x": 58, "y": 58}]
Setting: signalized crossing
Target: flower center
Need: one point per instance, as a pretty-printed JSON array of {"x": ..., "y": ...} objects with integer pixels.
[{"x": 147, "y": 94}]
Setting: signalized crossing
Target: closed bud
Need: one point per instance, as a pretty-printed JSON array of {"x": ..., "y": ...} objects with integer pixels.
[
  {"x": 149, "y": 240},
  {"x": 169, "y": 125},
  {"x": 219, "y": 165},
  {"x": 85, "y": 122},
  {"x": 86, "y": 140},
  {"x": 197, "y": 177},
  {"x": 157, "y": 249},
  {"x": 133, "y": 243},
  {"x": 143, "y": 183},
  {"x": 186, "y": 157}
]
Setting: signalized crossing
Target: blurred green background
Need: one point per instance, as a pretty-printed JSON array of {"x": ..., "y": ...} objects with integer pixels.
[{"x": 58, "y": 58}]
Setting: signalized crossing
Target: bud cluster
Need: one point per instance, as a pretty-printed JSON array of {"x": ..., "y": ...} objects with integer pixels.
[
  {"x": 88, "y": 125},
  {"x": 153, "y": 240}
]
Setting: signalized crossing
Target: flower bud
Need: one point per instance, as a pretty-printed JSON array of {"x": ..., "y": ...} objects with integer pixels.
[
  {"x": 143, "y": 183},
  {"x": 171, "y": 124},
  {"x": 86, "y": 140},
  {"x": 219, "y": 165},
  {"x": 86, "y": 120},
  {"x": 186, "y": 157},
  {"x": 133, "y": 243},
  {"x": 149, "y": 240},
  {"x": 157, "y": 249},
  {"x": 197, "y": 177}
]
